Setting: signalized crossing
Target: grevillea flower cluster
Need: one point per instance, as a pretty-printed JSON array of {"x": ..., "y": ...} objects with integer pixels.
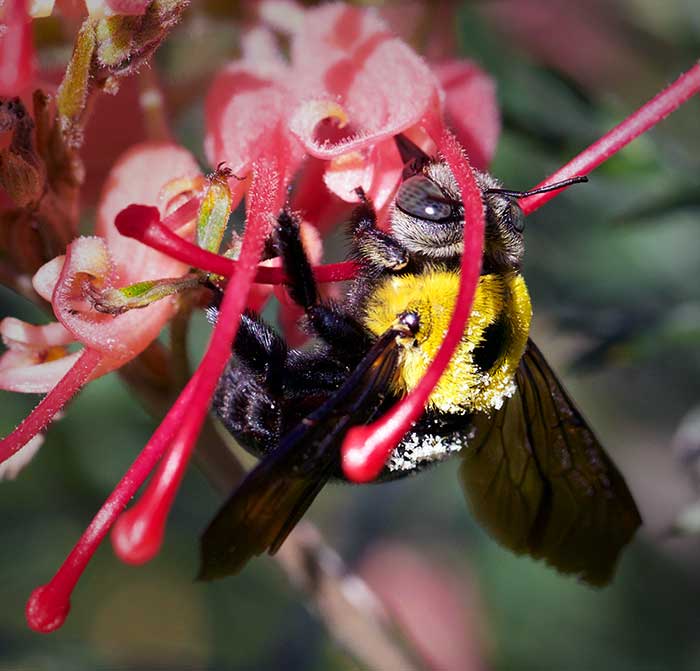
[{"x": 322, "y": 117}]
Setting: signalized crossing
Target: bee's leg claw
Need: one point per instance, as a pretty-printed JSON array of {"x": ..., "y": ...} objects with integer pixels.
[{"x": 372, "y": 245}]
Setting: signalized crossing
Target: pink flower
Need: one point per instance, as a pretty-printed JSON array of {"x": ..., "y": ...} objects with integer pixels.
[
  {"x": 38, "y": 358},
  {"x": 333, "y": 100}
]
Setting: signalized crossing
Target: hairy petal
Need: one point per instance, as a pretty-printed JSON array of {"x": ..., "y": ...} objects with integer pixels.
[
  {"x": 284, "y": 16},
  {"x": 376, "y": 169},
  {"x": 346, "y": 55},
  {"x": 471, "y": 108},
  {"x": 139, "y": 177},
  {"x": 24, "y": 372},
  {"x": 120, "y": 338},
  {"x": 45, "y": 279},
  {"x": 260, "y": 49},
  {"x": 243, "y": 108}
]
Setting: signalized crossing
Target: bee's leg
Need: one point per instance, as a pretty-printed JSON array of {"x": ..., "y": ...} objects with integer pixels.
[
  {"x": 326, "y": 319},
  {"x": 313, "y": 373},
  {"x": 302, "y": 284},
  {"x": 247, "y": 408},
  {"x": 248, "y": 398},
  {"x": 371, "y": 244},
  {"x": 262, "y": 350}
]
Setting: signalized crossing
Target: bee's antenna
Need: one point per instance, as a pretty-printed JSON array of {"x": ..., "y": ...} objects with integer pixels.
[{"x": 543, "y": 189}]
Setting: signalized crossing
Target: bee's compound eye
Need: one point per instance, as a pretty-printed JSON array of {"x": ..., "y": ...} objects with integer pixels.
[
  {"x": 420, "y": 197},
  {"x": 517, "y": 217}
]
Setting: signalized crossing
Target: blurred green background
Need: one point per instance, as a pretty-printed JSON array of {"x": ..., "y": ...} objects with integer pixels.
[{"x": 613, "y": 272}]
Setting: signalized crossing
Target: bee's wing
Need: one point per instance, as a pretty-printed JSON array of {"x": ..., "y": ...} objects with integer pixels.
[
  {"x": 539, "y": 481},
  {"x": 275, "y": 494}
]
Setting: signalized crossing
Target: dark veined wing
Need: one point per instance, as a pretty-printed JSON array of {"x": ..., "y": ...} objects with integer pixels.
[
  {"x": 539, "y": 481},
  {"x": 275, "y": 494}
]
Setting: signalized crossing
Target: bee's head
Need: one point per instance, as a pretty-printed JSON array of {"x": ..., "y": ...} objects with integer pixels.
[{"x": 427, "y": 218}]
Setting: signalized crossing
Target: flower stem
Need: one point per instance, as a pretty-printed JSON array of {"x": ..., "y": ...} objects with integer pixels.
[
  {"x": 48, "y": 605},
  {"x": 142, "y": 223},
  {"x": 647, "y": 116},
  {"x": 44, "y": 412},
  {"x": 138, "y": 534}
]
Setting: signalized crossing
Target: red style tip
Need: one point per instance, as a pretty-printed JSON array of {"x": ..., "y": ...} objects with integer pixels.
[
  {"x": 47, "y": 609},
  {"x": 361, "y": 462},
  {"x": 137, "y": 535},
  {"x": 365, "y": 452},
  {"x": 134, "y": 220}
]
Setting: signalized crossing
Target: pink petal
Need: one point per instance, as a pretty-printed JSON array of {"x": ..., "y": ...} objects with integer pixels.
[
  {"x": 41, "y": 8},
  {"x": 128, "y": 7},
  {"x": 36, "y": 359},
  {"x": 243, "y": 108},
  {"x": 471, "y": 108},
  {"x": 15, "y": 331},
  {"x": 317, "y": 204},
  {"x": 346, "y": 56},
  {"x": 20, "y": 372},
  {"x": 45, "y": 279},
  {"x": 284, "y": 16},
  {"x": 260, "y": 49},
  {"x": 119, "y": 338},
  {"x": 52, "y": 403},
  {"x": 138, "y": 177},
  {"x": 346, "y": 173}
]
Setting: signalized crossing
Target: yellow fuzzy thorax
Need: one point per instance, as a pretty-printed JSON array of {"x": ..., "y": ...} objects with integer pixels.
[{"x": 463, "y": 387}]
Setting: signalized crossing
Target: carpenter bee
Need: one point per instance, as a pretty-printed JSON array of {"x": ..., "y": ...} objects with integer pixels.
[{"x": 532, "y": 470}]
